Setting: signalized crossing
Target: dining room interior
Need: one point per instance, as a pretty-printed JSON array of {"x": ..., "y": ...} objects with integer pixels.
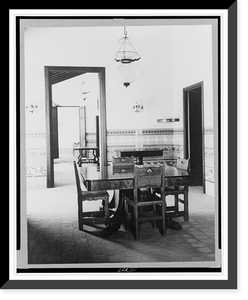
[{"x": 82, "y": 111}]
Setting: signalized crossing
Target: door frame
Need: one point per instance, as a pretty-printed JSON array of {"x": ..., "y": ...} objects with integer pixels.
[
  {"x": 55, "y": 74},
  {"x": 186, "y": 125}
]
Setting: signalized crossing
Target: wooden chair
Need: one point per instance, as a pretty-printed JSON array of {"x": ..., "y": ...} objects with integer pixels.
[
  {"x": 146, "y": 177},
  {"x": 119, "y": 161},
  {"x": 123, "y": 164},
  {"x": 90, "y": 217},
  {"x": 173, "y": 211}
]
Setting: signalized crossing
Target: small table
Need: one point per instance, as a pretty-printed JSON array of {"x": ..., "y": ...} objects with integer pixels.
[
  {"x": 95, "y": 152},
  {"x": 142, "y": 153}
]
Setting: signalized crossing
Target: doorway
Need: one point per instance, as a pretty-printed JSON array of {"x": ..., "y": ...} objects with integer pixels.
[
  {"x": 55, "y": 75},
  {"x": 193, "y": 115},
  {"x": 68, "y": 130}
]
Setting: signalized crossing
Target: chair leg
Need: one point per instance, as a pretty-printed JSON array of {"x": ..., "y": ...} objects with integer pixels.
[
  {"x": 80, "y": 214},
  {"x": 105, "y": 204},
  {"x": 163, "y": 217},
  {"x": 153, "y": 212},
  {"x": 136, "y": 222},
  {"x": 80, "y": 224},
  {"x": 127, "y": 217},
  {"x": 176, "y": 203},
  {"x": 186, "y": 204}
]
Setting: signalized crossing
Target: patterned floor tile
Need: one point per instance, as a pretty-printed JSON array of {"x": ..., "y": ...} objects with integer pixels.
[{"x": 54, "y": 237}]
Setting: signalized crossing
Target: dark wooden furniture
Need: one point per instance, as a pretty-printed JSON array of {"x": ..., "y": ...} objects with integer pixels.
[
  {"x": 103, "y": 178},
  {"x": 99, "y": 178},
  {"x": 140, "y": 154},
  {"x": 146, "y": 177},
  {"x": 91, "y": 217},
  {"x": 177, "y": 190},
  {"x": 82, "y": 159},
  {"x": 123, "y": 164}
]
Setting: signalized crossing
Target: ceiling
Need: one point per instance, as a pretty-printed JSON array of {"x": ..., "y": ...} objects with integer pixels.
[{"x": 58, "y": 76}]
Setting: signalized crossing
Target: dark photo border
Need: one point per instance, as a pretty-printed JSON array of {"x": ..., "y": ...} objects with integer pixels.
[{"x": 230, "y": 283}]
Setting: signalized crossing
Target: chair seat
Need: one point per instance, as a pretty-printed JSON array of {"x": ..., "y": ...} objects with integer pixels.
[
  {"x": 144, "y": 199},
  {"x": 171, "y": 189},
  {"x": 130, "y": 194}
]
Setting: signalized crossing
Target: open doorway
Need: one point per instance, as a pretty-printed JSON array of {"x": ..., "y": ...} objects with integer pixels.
[
  {"x": 67, "y": 132},
  {"x": 74, "y": 115},
  {"x": 194, "y": 129},
  {"x": 54, "y": 75}
]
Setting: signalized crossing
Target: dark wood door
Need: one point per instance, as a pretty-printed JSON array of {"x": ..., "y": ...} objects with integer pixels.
[
  {"x": 195, "y": 132},
  {"x": 193, "y": 129},
  {"x": 55, "y": 135}
]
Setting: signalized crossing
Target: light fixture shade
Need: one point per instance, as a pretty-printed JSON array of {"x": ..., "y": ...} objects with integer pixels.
[
  {"x": 84, "y": 91},
  {"x": 127, "y": 52},
  {"x": 126, "y": 73}
]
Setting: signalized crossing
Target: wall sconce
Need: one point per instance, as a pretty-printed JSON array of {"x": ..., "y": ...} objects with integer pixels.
[
  {"x": 126, "y": 55},
  {"x": 31, "y": 108},
  {"x": 168, "y": 120},
  {"x": 138, "y": 106},
  {"x": 84, "y": 91}
]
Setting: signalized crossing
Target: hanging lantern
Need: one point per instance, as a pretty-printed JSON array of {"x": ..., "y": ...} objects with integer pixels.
[
  {"x": 127, "y": 52},
  {"x": 126, "y": 72}
]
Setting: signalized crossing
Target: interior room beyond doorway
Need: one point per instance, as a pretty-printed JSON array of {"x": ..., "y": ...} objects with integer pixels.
[{"x": 70, "y": 98}]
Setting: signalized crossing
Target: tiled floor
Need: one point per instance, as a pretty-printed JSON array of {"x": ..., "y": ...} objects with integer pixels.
[{"x": 53, "y": 235}]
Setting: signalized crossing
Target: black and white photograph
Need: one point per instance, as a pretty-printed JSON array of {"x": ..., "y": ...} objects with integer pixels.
[{"x": 122, "y": 143}]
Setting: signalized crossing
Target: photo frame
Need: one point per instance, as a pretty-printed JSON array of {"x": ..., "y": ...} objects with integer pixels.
[{"x": 108, "y": 281}]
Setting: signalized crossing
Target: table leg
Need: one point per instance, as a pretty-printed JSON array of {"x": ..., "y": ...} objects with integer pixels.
[
  {"x": 116, "y": 220},
  {"x": 169, "y": 222},
  {"x": 172, "y": 224}
]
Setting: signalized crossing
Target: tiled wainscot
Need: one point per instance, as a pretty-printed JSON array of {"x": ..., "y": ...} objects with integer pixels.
[{"x": 170, "y": 140}]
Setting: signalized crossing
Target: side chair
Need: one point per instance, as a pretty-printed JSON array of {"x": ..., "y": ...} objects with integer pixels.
[
  {"x": 145, "y": 178},
  {"x": 173, "y": 210},
  {"x": 90, "y": 217}
]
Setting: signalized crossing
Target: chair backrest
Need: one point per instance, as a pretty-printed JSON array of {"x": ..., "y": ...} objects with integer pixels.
[
  {"x": 119, "y": 161},
  {"x": 80, "y": 185},
  {"x": 183, "y": 164},
  {"x": 149, "y": 177},
  {"x": 77, "y": 178}
]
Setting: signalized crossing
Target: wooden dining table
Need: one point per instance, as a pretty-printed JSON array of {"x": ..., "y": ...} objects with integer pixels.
[{"x": 99, "y": 178}]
